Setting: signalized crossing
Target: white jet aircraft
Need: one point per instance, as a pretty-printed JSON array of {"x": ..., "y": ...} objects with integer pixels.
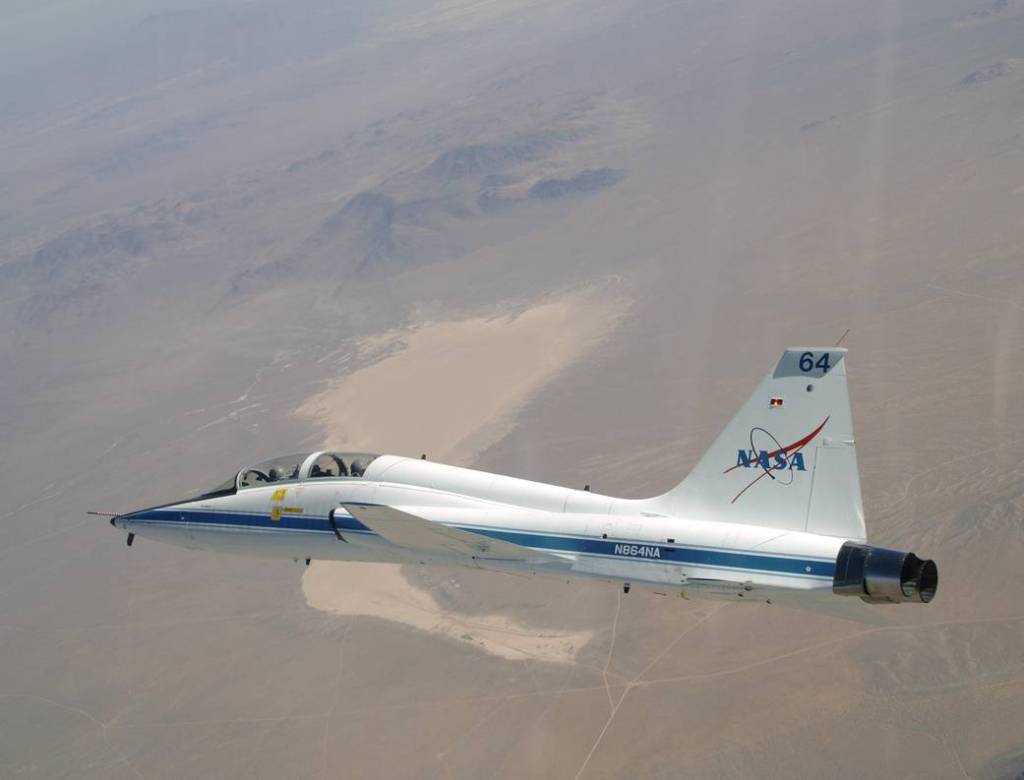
[{"x": 772, "y": 512}]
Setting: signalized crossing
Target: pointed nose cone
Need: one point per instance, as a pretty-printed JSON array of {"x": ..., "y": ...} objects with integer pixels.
[
  {"x": 122, "y": 521},
  {"x": 166, "y": 522},
  {"x": 162, "y": 512}
]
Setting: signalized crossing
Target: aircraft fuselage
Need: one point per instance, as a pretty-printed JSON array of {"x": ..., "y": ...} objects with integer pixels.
[
  {"x": 585, "y": 534},
  {"x": 772, "y": 508}
]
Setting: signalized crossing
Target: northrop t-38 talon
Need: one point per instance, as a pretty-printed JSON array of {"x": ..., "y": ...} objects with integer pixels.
[{"x": 772, "y": 512}]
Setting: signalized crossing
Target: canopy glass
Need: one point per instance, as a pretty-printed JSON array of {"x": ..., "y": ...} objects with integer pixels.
[
  {"x": 316, "y": 465},
  {"x": 296, "y": 468}
]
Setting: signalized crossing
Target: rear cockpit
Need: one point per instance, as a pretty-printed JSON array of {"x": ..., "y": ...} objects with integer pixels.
[
  {"x": 296, "y": 468},
  {"x": 337, "y": 464}
]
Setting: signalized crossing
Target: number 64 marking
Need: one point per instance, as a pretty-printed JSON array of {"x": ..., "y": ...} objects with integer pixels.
[{"x": 807, "y": 363}]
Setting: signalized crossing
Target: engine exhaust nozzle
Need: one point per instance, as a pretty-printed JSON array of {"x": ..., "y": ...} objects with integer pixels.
[{"x": 881, "y": 576}]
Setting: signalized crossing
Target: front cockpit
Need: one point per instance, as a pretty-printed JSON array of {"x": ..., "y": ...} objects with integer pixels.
[{"x": 296, "y": 468}]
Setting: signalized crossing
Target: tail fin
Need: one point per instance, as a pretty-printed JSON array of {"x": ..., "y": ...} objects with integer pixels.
[{"x": 787, "y": 460}]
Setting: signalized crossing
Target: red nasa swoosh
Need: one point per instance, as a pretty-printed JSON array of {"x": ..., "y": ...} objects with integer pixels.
[
  {"x": 799, "y": 444},
  {"x": 793, "y": 448}
]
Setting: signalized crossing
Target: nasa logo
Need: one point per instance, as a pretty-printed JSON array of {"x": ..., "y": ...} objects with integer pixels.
[
  {"x": 776, "y": 461},
  {"x": 638, "y": 550},
  {"x": 783, "y": 459}
]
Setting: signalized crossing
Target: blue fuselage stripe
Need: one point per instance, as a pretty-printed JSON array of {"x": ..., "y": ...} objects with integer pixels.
[{"x": 666, "y": 553}]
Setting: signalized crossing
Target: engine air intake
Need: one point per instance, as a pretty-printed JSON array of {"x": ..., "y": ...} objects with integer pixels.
[{"x": 881, "y": 576}]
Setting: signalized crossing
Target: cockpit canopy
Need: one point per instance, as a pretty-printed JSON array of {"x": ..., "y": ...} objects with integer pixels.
[{"x": 296, "y": 468}]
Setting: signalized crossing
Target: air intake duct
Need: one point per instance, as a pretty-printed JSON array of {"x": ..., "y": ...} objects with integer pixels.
[{"x": 881, "y": 576}]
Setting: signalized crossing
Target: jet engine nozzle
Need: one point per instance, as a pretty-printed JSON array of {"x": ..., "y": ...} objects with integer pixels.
[{"x": 881, "y": 576}]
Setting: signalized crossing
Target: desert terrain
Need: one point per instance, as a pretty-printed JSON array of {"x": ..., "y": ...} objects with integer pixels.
[{"x": 559, "y": 240}]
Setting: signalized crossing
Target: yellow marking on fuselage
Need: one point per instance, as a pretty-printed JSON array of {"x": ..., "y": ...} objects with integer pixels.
[{"x": 277, "y": 510}]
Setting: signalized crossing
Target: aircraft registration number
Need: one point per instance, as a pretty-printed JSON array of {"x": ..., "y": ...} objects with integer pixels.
[{"x": 638, "y": 550}]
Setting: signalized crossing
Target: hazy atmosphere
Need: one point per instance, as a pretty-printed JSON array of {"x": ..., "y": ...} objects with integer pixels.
[{"x": 556, "y": 239}]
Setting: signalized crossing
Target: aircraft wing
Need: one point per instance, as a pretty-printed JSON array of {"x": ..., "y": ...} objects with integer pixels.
[
  {"x": 820, "y": 600},
  {"x": 417, "y": 533}
]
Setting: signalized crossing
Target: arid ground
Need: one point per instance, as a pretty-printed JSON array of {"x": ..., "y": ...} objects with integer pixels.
[{"x": 561, "y": 240}]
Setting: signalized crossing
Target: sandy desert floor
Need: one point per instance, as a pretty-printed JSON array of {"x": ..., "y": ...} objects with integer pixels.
[
  {"x": 452, "y": 388},
  {"x": 553, "y": 240}
]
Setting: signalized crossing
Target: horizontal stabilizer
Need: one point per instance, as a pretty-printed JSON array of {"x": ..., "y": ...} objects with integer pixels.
[
  {"x": 417, "y": 533},
  {"x": 820, "y": 600},
  {"x": 824, "y": 602}
]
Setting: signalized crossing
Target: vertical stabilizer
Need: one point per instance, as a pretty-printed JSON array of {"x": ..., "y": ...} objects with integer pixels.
[{"x": 787, "y": 460}]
